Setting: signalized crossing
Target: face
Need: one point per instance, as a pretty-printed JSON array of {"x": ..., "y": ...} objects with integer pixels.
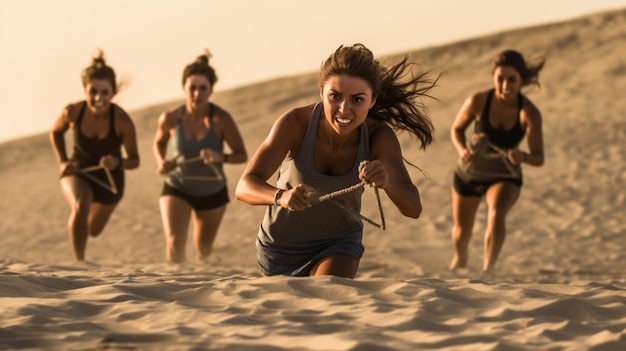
[
  {"x": 98, "y": 93},
  {"x": 347, "y": 100},
  {"x": 197, "y": 90},
  {"x": 507, "y": 82}
]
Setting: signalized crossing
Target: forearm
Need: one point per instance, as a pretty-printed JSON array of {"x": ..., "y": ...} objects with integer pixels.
[
  {"x": 160, "y": 149},
  {"x": 237, "y": 156},
  {"x": 406, "y": 198},
  {"x": 252, "y": 190},
  {"x": 130, "y": 162},
  {"x": 58, "y": 145},
  {"x": 458, "y": 140},
  {"x": 533, "y": 158}
]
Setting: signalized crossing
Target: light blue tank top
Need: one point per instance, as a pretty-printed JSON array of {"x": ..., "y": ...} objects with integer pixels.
[
  {"x": 306, "y": 232},
  {"x": 185, "y": 149}
]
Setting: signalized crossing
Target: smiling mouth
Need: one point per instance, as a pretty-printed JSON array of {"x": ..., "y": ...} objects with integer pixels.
[{"x": 343, "y": 121}]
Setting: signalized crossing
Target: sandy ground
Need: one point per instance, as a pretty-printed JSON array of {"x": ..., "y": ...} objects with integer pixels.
[{"x": 560, "y": 282}]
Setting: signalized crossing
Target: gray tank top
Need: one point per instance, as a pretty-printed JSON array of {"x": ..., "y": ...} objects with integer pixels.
[
  {"x": 186, "y": 149},
  {"x": 307, "y": 231}
]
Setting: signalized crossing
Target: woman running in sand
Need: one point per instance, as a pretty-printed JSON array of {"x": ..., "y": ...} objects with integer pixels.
[
  {"x": 92, "y": 179},
  {"x": 318, "y": 149},
  {"x": 195, "y": 186},
  {"x": 490, "y": 165}
]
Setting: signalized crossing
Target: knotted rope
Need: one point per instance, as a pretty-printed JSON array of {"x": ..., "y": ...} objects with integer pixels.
[{"x": 363, "y": 182}]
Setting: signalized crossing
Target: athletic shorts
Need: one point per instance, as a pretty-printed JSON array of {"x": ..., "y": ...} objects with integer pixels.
[
  {"x": 277, "y": 262},
  {"x": 101, "y": 194},
  {"x": 198, "y": 203},
  {"x": 475, "y": 188}
]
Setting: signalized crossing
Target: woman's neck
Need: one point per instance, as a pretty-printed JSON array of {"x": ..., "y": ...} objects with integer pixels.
[{"x": 327, "y": 135}]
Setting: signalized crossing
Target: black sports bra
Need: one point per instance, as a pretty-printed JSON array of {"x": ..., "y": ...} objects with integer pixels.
[{"x": 504, "y": 138}]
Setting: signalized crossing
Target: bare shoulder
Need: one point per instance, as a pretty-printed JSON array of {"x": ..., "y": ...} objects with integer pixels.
[
  {"x": 122, "y": 116},
  {"x": 530, "y": 112},
  {"x": 72, "y": 110},
  {"x": 168, "y": 117},
  {"x": 296, "y": 118},
  {"x": 478, "y": 99},
  {"x": 289, "y": 129},
  {"x": 220, "y": 114}
]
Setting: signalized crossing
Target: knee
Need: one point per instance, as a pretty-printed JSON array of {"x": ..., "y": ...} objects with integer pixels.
[
  {"x": 81, "y": 205},
  {"x": 498, "y": 212}
]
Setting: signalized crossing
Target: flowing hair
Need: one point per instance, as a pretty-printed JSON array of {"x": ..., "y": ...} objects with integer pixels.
[
  {"x": 528, "y": 72},
  {"x": 399, "y": 94}
]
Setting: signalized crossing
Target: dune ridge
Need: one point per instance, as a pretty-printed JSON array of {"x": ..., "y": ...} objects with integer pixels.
[{"x": 560, "y": 282}]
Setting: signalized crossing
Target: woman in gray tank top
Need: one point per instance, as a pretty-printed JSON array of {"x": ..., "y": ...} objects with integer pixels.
[
  {"x": 318, "y": 149},
  {"x": 195, "y": 186}
]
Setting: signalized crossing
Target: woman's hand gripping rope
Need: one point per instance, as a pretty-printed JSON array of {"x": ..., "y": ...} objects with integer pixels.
[
  {"x": 169, "y": 166},
  {"x": 374, "y": 184}
]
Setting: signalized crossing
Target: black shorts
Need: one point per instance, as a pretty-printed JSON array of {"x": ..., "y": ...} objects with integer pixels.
[
  {"x": 102, "y": 194},
  {"x": 474, "y": 188},
  {"x": 198, "y": 203}
]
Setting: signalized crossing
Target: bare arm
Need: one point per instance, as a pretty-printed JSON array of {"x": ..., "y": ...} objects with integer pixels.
[
  {"x": 129, "y": 139},
  {"x": 387, "y": 171},
  {"x": 284, "y": 137},
  {"x": 159, "y": 145},
  {"x": 466, "y": 115},
  {"x": 534, "y": 135},
  {"x": 232, "y": 137},
  {"x": 57, "y": 140}
]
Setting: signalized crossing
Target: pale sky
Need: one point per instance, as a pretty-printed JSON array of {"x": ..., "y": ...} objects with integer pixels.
[{"x": 44, "y": 44}]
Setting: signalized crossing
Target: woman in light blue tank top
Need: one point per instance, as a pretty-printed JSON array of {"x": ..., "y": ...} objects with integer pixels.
[
  {"x": 195, "y": 182},
  {"x": 318, "y": 150}
]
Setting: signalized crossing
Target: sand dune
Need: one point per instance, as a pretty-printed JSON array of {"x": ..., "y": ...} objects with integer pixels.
[{"x": 560, "y": 282}]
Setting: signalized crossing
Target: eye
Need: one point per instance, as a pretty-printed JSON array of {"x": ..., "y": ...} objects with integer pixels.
[
  {"x": 357, "y": 99},
  {"x": 334, "y": 96}
]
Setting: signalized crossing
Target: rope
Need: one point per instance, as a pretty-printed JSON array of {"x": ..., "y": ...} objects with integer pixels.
[
  {"x": 112, "y": 187},
  {"x": 336, "y": 193},
  {"x": 218, "y": 175}
]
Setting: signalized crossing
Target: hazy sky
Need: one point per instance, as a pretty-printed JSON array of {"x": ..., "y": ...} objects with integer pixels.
[{"x": 44, "y": 44}]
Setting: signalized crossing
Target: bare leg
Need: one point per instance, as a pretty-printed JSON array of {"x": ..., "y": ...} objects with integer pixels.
[
  {"x": 464, "y": 213},
  {"x": 175, "y": 215},
  {"x": 500, "y": 199},
  {"x": 206, "y": 224},
  {"x": 99, "y": 217},
  {"x": 78, "y": 195},
  {"x": 339, "y": 265}
]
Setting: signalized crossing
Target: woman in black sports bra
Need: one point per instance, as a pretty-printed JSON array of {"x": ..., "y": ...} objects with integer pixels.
[
  {"x": 490, "y": 165},
  {"x": 92, "y": 179}
]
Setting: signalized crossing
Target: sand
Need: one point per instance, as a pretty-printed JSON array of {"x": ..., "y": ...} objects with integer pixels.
[{"x": 560, "y": 282}]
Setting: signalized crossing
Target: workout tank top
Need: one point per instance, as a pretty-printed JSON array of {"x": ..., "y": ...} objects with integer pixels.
[
  {"x": 89, "y": 151},
  {"x": 503, "y": 138},
  {"x": 324, "y": 222},
  {"x": 185, "y": 149}
]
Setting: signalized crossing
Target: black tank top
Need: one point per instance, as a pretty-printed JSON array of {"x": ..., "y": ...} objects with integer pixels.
[
  {"x": 504, "y": 138},
  {"x": 88, "y": 151}
]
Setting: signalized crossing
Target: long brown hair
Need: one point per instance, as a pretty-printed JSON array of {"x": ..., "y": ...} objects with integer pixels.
[
  {"x": 397, "y": 91},
  {"x": 528, "y": 72}
]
